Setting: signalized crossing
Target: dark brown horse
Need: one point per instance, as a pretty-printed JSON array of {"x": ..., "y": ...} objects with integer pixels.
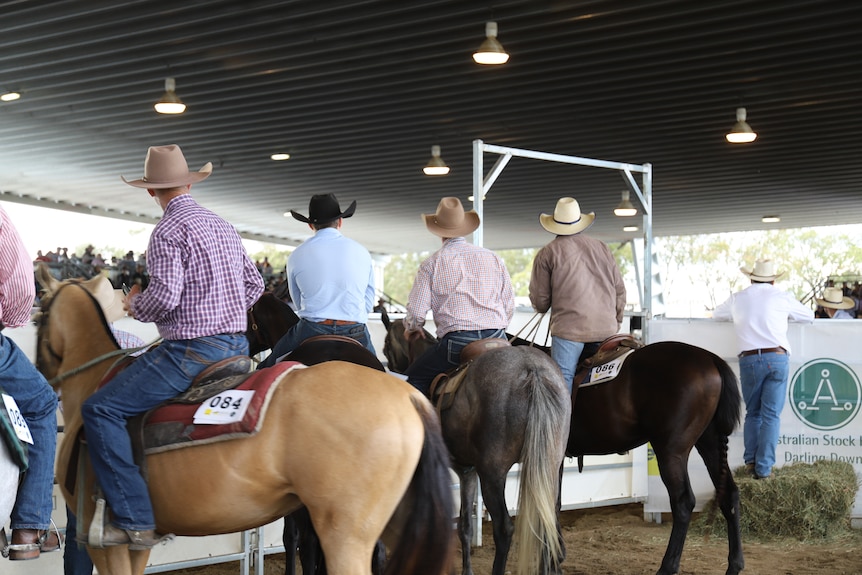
[
  {"x": 676, "y": 397},
  {"x": 268, "y": 320},
  {"x": 399, "y": 352}
]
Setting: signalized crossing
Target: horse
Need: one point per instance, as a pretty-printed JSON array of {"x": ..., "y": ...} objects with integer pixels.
[
  {"x": 399, "y": 352},
  {"x": 676, "y": 397},
  {"x": 268, "y": 319},
  {"x": 512, "y": 407},
  {"x": 360, "y": 449}
]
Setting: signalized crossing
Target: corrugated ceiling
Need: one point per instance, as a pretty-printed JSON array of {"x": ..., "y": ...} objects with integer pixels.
[{"x": 358, "y": 92}]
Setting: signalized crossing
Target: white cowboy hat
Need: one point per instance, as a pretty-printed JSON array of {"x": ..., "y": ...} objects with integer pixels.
[
  {"x": 567, "y": 219},
  {"x": 764, "y": 271},
  {"x": 110, "y": 300},
  {"x": 834, "y": 297},
  {"x": 450, "y": 220},
  {"x": 166, "y": 167}
]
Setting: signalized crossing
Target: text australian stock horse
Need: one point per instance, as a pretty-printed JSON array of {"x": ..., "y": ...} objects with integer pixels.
[
  {"x": 360, "y": 449},
  {"x": 676, "y": 397}
]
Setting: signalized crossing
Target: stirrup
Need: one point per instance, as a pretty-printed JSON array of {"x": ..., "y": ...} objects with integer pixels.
[
  {"x": 96, "y": 532},
  {"x": 4, "y": 543}
]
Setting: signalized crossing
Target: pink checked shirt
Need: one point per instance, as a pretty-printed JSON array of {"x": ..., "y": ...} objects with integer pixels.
[
  {"x": 17, "y": 283},
  {"x": 466, "y": 287}
]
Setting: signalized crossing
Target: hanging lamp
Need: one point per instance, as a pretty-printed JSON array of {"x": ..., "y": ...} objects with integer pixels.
[
  {"x": 436, "y": 166},
  {"x": 170, "y": 103},
  {"x": 491, "y": 52},
  {"x": 741, "y": 133}
]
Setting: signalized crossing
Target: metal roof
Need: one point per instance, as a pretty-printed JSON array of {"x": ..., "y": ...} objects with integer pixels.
[{"x": 358, "y": 91}]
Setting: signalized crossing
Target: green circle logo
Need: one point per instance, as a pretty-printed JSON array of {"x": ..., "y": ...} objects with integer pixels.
[{"x": 825, "y": 394}]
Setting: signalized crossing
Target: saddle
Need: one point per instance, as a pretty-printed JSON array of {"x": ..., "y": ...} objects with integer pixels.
[
  {"x": 445, "y": 385},
  {"x": 617, "y": 346}
]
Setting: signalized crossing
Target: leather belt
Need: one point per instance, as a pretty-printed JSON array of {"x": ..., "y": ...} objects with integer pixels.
[
  {"x": 748, "y": 352},
  {"x": 336, "y": 322}
]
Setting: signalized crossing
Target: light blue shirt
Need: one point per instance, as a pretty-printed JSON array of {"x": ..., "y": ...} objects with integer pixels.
[{"x": 331, "y": 277}]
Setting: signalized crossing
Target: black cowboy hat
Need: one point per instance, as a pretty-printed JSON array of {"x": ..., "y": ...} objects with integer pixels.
[{"x": 324, "y": 208}]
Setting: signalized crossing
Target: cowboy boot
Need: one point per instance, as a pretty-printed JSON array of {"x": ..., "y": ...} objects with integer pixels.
[{"x": 29, "y": 543}]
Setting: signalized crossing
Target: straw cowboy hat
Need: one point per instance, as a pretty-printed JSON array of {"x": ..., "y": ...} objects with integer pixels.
[
  {"x": 110, "y": 299},
  {"x": 567, "y": 219},
  {"x": 166, "y": 167},
  {"x": 450, "y": 220},
  {"x": 324, "y": 208},
  {"x": 834, "y": 297},
  {"x": 764, "y": 271}
]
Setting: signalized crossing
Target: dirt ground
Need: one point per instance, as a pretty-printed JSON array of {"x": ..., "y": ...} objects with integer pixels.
[{"x": 617, "y": 541}]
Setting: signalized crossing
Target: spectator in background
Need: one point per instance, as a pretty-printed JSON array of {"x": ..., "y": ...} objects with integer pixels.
[
  {"x": 835, "y": 304},
  {"x": 760, "y": 314}
]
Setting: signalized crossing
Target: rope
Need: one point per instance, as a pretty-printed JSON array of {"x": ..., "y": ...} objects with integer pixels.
[
  {"x": 87, "y": 365},
  {"x": 531, "y": 333}
]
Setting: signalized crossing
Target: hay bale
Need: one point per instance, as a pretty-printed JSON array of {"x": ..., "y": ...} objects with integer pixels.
[{"x": 803, "y": 501}]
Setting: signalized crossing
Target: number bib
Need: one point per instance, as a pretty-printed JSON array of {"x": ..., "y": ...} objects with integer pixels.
[
  {"x": 227, "y": 407},
  {"x": 19, "y": 424}
]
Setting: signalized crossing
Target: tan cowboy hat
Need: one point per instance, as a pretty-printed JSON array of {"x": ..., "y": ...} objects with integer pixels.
[
  {"x": 450, "y": 220},
  {"x": 834, "y": 297},
  {"x": 166, "y": 167},
  {"x": 567, "y": 219},
  {"x": 110, "y": 299},
  {"x": 764, "y": 271}
]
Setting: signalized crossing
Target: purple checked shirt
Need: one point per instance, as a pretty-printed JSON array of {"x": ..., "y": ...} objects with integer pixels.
[{"x": 202, "y": 281}]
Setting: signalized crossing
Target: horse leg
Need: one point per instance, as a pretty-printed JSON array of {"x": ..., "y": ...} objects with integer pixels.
[
  {"x": 674, "y": 474},
  {"x": 494, "y": 494},
  {"x": 468, "y": 488},
  {"x": 713, "y": 450},
  {"x": 289, "y": 537}
]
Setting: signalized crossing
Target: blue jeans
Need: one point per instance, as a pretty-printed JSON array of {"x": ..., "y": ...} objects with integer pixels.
[
  {"x": 444, "y": 356},
  {"x": 566, "y": 354},
  {"x": 38, "y": 405},
  {"x": 76, "y": 560},
  {"x": 306, "y": 329},
  {"x": 156, "y": 376},
  {"x": 764, "y": 389}
]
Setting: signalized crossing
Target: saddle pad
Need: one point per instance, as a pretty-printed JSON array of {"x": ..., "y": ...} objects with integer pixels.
[{"x": 172, "y": 426}]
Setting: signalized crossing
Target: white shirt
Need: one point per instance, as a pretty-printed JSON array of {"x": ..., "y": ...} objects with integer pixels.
[{"x": 760, "y": 314}]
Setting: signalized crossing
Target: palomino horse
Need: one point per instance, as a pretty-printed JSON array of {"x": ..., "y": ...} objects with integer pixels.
[
  {"x": 359, "y": 448},
  {"x": 676, "y": 397},
  {"x": 511, "y": 406}
]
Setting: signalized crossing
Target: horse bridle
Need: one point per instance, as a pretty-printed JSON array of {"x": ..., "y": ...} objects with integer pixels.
[{"x": 42, "y": 324}]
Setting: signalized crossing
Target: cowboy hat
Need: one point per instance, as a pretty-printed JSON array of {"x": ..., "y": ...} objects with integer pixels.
[
  {"x": 166, "y": 167},
  {"x": 110, "y": 300},
  {"x": 450, "y": 220},
  {"x": 567, "y": 219},
  {"x": 324, "y": 208},
  {"x": 764, "y": 271},
  {"x": 834, "y": 297}
]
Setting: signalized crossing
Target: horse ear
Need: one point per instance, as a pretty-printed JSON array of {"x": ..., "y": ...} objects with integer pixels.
[
  {"x": 384, "y": 317},
  {"x": 43, "y": 275}
]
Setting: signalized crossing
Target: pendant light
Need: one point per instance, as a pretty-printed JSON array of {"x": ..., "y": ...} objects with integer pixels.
[
  {"x": 491, "y": 52},
  {"x": 625, "y": 208},
  {"x": 170, "y": 103},
  {"x": 436, "y": 166},
  {"x": 741, "y": 133}
]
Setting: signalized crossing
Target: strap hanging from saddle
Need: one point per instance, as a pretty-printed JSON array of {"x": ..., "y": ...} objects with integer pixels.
[
  {"x": 445, "y": 385},
  {"x": 607, "y": 361}
]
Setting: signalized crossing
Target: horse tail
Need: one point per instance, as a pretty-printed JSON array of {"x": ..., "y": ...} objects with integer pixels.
[
  {"x": 729, "y": 410},
  {"x": 426, "y": 544},
  {"x": 548, "y": 419}
]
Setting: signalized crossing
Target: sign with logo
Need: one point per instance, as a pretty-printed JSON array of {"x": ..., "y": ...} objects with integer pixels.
[{"x": 825, "y": 394}]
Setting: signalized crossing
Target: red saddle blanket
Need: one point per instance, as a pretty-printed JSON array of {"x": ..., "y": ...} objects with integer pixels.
[{"x": 172, "y": 426}]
